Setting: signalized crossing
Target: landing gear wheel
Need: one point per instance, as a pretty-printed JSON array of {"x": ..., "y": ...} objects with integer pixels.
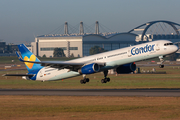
[
  {"x": 161, "y": 66},
  {"x": 82, "y": 82},
  {"x": 103, "y": 81},
  {"x": 162, "y": 61},
  {"x": 108, "y": 79},
  {"x": 87, "y": 79}
]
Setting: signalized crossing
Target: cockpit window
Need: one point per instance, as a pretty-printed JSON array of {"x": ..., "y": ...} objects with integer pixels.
[{"x": 166, "y": 44}]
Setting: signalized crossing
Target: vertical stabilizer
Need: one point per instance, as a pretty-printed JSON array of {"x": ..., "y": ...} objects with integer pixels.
[{"x": 29, "y": 56}]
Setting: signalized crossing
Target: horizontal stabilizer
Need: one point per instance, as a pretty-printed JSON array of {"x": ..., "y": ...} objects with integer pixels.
[{"x": 29, "y": 75}]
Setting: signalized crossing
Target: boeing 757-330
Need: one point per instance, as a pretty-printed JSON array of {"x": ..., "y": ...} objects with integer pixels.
[{"x": 123, "y": 60}]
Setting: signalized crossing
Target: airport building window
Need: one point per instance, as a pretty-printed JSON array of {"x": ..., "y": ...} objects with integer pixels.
[
  {"x": 123, "y": 45},
  {"x": 87, "y": 47},
  {"x": 73, "y": 48},
  {"x": 115, "y": 46},
  {"x": 51, "y": 48},
  {"x": 107, "y": 47}
]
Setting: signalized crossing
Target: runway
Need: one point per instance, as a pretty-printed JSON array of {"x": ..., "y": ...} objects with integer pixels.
[{"x": 94, "y": 92}]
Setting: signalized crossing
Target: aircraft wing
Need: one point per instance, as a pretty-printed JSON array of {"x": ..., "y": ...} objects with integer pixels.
[{"x": 60, "y": 64}]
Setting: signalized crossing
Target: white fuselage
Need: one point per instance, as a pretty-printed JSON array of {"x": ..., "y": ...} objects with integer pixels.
[{"x": 112, "y": 59}]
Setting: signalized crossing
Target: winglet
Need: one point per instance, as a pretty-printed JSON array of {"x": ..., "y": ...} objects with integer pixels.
[{"x": 19, "y": 56}]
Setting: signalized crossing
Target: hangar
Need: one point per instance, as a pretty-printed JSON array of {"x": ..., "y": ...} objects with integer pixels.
[{"x": 80, "y": 44}]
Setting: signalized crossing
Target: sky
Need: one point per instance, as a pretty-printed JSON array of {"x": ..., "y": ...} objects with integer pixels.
[{"x": 22, "y": 20}]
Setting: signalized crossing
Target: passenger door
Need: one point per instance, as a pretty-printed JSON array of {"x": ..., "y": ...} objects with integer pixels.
[
  {"x": 157, "y": 46},
  {"x": 129, "y": 52}
]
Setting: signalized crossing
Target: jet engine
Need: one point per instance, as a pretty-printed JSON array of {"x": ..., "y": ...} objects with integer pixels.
[
  {"x": 25, "y": 77},
  {"x": 89, "y": 69},
  {"x": 127, "y": 68}
]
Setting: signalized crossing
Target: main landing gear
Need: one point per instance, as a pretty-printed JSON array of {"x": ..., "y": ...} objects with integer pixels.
[
  {"x": 161, "y": 60},
  {"x": 105, "y": 80},
  {"x": 84, "y": 80}
]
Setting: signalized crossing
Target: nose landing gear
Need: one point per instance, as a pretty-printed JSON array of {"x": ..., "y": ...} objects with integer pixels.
[
  {"x": 162, "y": 61},
  {"x": 161, "y": 66}
]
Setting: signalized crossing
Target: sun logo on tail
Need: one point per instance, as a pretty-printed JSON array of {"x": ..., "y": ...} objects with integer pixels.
[{"x": 32, "y": 58}]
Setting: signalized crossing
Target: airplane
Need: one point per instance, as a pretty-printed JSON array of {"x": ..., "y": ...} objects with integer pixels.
[{"x": 123, "y": 60}]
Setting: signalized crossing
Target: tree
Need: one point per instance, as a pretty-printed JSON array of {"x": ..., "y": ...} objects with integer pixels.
[
  {"x": 96, "y": 49},
  {"x": 44, "y": 56},
  {"x": 72, "y": 55},
  {"x": 58, "y": 52}
]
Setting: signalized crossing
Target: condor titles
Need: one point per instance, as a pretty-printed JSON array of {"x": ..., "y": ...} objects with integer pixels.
[{"x": 147, "y": 48}]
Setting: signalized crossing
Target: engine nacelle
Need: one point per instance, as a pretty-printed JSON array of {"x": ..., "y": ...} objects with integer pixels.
[
  {"x": 89, "y": 69},
  {"x": 127, "y": 68},
  {"x": 26, "y": 78}
]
